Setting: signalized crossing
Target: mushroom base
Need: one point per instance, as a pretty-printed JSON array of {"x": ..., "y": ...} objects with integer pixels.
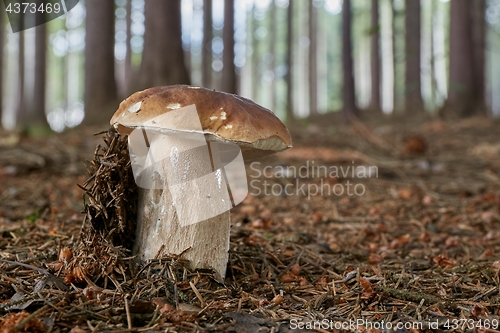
[
  {"x": 204, "y": 244},
  {"x": 184, "y": 218}
]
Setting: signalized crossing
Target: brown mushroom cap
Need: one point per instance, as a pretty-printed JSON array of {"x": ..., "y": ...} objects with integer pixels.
[{"x": 223, "y": 117}]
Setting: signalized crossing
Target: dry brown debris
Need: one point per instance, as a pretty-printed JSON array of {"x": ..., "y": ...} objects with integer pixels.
[
  {"x": 21, "y": 322},
  {"x": 111, "y": 191},
  {"x": 429, "y": 254},
  {"x": 415, "y": 144}
]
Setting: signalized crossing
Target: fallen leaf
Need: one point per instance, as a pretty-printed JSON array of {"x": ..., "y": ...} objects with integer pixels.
[
  {"x": 367, "y": 285},
  {"x": 414, "y": 144},
  {"x": 278, "y": 299},
  {"x": 479, "y": 311},
  {"x": 65, "y": 254},
  {"x": 295, "y": 269},
  {"x": 10, "y": 321},
  {"x": 92, "y": 292},
  {"x": 288, "y": 277},
  {"x": 317, "y": 217},
  {"x": 374, "y": 258},
  {"x": 443, "y": 261},
  {"x": 400, "y": 242},
  {"x": 303, "y": 282},
  {"x": 177, "y": 316},
  {"x": 405, "y": 193},
  {"x": 451, "y": 242}
]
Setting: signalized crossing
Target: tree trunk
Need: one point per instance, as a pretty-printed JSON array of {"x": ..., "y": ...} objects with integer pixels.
[
  {"x": 290, "y": 117},
  {"x": 394, "y": 58},
  {"x": 228, "y": 69},
  {"x": 375, "y": 103},
  {"x": 349, "y": 107},
  {"x": 313, "y": 63},
  {"x": 462, "y": 96},
  {"x": 479, "y": 48},
  {"x": 100, "y": 85},
  {"x": 128, "y": 54},
  {"x": 432, "y": 51},
  {"x": 272, "y": 50},
  {"x": 21, "y": 112},
  {"x": 2, "y": 50},
  {"x": 206, "y": 54},
  {"x": 163, "y": 57},
  {"x": 413, "y": 91},
  {"x": 255, "y": 56},
  {"x": 38, "y": 115}
]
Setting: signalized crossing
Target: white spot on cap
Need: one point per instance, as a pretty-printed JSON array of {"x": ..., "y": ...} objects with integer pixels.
[
  {"x": 173, "y": 106},
  {"x": 213, "y": 117},
  {"x": 193, "y": 87},
  {"x": 228, "y": 126},
  {"x": 136, "y": 107},
  {"x": 223, "y": 115}
]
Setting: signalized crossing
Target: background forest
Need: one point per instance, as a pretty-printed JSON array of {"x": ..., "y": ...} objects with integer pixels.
[
  {"x": 298, "y": 58},
  {"x": 400, "y": 93}
]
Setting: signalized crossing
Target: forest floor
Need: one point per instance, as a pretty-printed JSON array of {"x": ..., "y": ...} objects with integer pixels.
[{"x": 411, "y": 245}]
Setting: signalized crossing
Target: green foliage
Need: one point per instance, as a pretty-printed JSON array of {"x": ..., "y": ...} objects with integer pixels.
[
  {"x": 372, "y": 30},
  {"x": 36, "y": 131},
  {"x": 33, "y": 216}
]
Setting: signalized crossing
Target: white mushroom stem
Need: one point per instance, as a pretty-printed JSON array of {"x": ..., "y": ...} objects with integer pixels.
[{"x": 188, "y": 210}]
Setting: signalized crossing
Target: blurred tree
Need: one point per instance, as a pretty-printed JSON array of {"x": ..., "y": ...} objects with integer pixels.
[
  {"x": 272, "y": 51},
  {"x": 349, "y": 107},
  {"x": 313, "y": 63},
  {"x": 479, "y": 52},
  {"x": 375, "y": 104},
  {"x": 163, "y": 57},
  {"x": 37, "y": 107},
  {"x": 21, "y": 113},
  {"x": 413, "y": 91},
  {"x": 466, "y": 94},
  {"x": 434, "y": 91},
  {"x": 228, "y": 83},
  {"x": 398, "y": 54},
  {"x": 100, "y": 85},
  {"x": 206, "y": 54},
  {"x": 290, "y": 116},
  {"x": 255, "y": 60},
  {"x": 394, "y": 57},
  {"x": 128, "y": 52},
  {"x": 2, "y": 50}
]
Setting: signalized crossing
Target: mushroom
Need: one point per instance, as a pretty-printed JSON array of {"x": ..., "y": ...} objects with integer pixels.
[{"x": 187, "y": 146}]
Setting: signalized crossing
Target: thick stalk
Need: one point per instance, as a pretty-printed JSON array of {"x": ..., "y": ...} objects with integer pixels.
[{"x": 187, "y": 209}]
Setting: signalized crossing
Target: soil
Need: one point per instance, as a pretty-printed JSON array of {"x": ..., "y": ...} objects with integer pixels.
[{"x": 357, "y": 228}]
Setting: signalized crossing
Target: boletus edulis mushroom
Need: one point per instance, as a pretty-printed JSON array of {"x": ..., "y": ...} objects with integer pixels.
[{"x": 186, "y": 144}]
